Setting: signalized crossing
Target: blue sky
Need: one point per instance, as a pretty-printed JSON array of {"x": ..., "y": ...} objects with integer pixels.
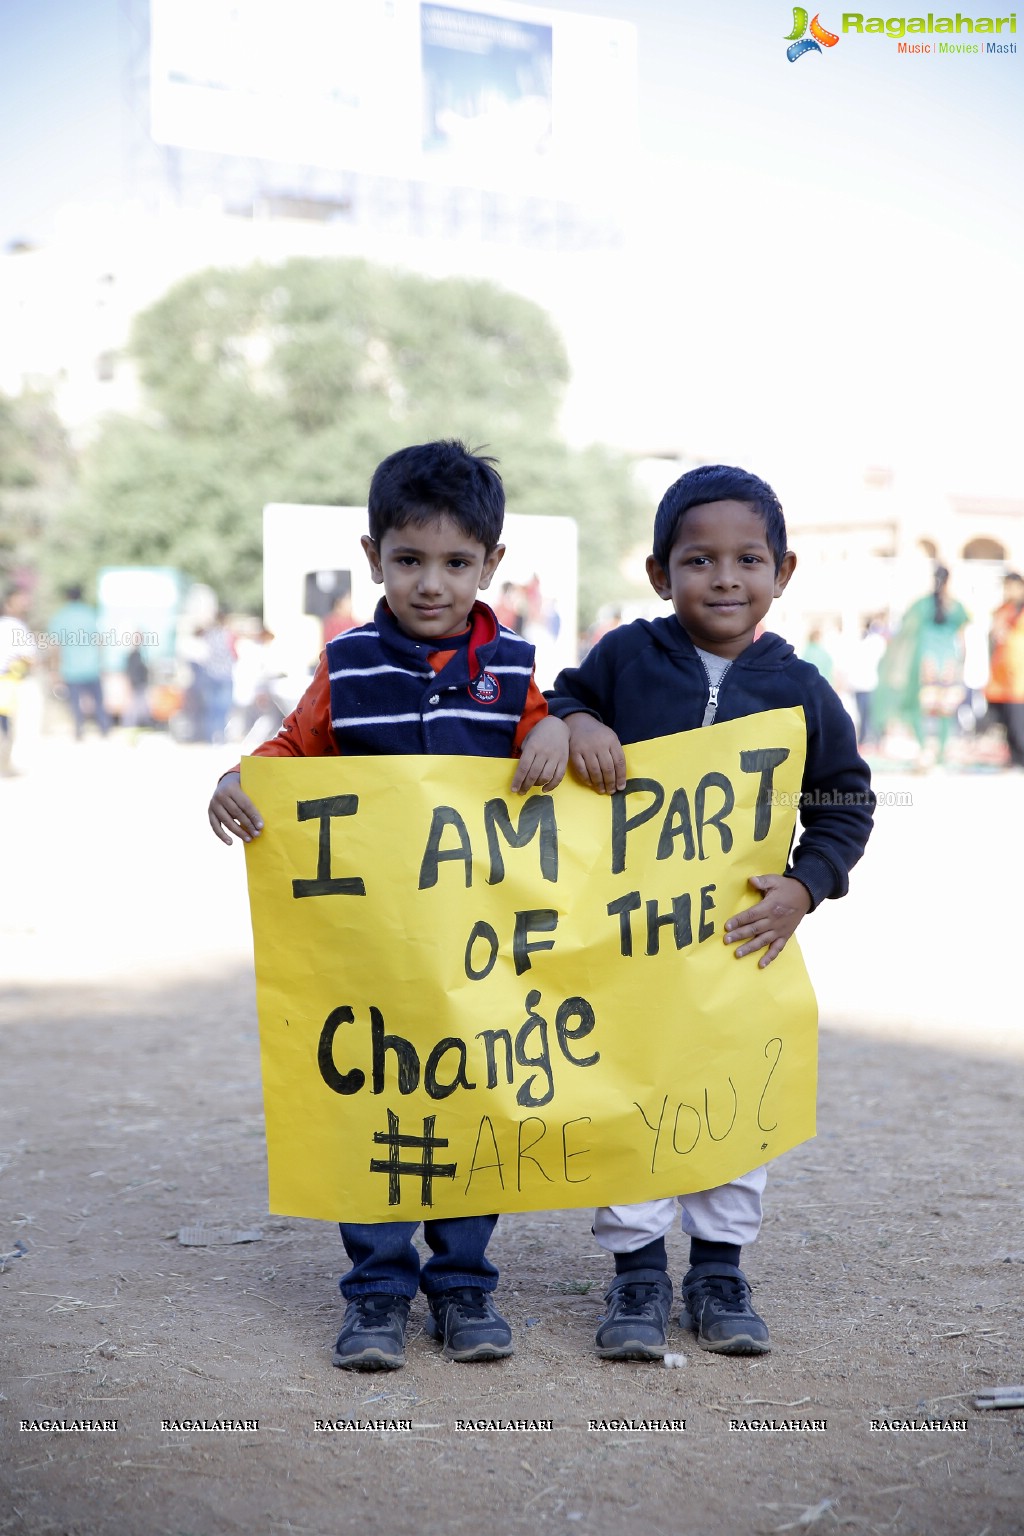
[
  {"x": 60, "y": 109},
  {"x": 835, "y": 242}
]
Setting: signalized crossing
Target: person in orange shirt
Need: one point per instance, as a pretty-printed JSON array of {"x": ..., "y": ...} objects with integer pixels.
[{"x": 1005, "y": 690}]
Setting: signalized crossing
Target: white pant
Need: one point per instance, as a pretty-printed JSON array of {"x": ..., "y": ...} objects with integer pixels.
[{"x": 729, "y": 1214}]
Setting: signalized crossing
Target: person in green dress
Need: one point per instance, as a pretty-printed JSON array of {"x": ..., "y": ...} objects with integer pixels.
[{"x": 922, "y": 679}]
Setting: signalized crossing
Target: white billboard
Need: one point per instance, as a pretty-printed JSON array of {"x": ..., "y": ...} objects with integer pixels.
[{"x": 503, "y": 96}]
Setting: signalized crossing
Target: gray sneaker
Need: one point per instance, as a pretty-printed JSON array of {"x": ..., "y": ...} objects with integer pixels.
[
  {"x": 635, "y": 1326},
  {"x": 468, "y": 1325},
  {"x": 717, "y": 1308},
  {"x": 372, "y": 1336}
]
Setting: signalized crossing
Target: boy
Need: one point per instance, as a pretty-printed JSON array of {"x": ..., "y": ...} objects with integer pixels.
[
  {"x": 720, "y": 558},
  {"x": 433, "y": 672}
]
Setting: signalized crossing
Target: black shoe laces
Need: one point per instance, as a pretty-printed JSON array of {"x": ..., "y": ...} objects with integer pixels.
[
  {"x": 376, "y": 1309},
  {"x": 727, "y": 1294},
  {"x": 640, "y": 1299},
  {"x": 470, "y": 1301}
]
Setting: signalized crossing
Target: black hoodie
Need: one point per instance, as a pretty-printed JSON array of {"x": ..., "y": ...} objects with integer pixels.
[{"x": 646, "y": 679}]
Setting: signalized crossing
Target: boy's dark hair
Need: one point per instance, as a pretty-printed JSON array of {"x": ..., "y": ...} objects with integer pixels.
[
  {"x": 419, "y": 484},
  {"x": 717, "y": 482}
]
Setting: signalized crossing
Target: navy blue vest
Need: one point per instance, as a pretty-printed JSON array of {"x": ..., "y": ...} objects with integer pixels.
[{"x": 386, "y": 698}]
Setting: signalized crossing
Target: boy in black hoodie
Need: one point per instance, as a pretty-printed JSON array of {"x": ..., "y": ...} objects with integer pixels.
[{"x": 719, "y": 557}]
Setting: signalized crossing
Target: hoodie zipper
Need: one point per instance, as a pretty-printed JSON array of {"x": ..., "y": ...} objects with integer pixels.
[{"x": 711, "y": 707}]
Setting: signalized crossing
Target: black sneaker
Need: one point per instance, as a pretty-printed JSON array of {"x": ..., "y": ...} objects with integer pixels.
[
  {"x": 468, "y": 1325},
  {"x": 635, "y": 1326},
  {"x": 372, "y": 1337},
  {"x": 717, "y": 1307}
]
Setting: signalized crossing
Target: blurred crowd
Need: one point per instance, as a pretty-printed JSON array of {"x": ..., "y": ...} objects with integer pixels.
[{"x": 932, "y": 687}]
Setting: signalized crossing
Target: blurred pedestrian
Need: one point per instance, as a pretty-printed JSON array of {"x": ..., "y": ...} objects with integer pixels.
[
  {"x": 213, "y": 674},
  {"x": 862, "y": 666},
  {"x": 136, "y": 671},
  {"x": 17, "y": 653},
  {"x": 922, "y": 673},
  {"x": 1005, "y": 689},
  {"x": 78, "y": 661},
  {"x": 818, "y": 654},
  {"x": 340, "y": 617},
  {"x": 510, "y": 607},
  {"x": 608, "y": 618},
  {"x": 257, "y": 666}
]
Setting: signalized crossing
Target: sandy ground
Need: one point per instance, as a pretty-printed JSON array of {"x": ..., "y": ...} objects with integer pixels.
[{"x": 889, "y": 1267}]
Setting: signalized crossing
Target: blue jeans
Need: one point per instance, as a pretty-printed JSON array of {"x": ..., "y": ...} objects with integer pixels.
[
  {"x": 93, "y": 691},
  {"x": 384, "y": 1261}
]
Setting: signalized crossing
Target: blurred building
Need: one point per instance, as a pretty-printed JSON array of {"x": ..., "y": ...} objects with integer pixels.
[
  {"x": 493, "y": 141},
  {"x": 486, "y": 141}
]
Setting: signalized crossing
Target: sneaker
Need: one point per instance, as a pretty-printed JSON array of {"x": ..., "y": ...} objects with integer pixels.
[
  {"x": 372, "y": 1337},
  {"x": 468, "y": 1325},
  {"x": 635, "y": 1326},
  {"x": 717, "y": 1307}
]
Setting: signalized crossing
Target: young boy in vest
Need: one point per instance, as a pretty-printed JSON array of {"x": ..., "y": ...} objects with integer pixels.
[
  {"x": 433, "y": 672},
  {"x": 719, "y": 557}
]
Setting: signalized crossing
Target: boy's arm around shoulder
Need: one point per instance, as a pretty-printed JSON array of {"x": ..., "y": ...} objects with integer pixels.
[
  {"x": 837, "y": 803},
  {"x": 306, "y": 732}
]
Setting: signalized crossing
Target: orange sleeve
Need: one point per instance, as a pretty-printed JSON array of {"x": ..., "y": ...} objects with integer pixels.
[
  {"x": 534, "y": 710},
  {"x": 306, "y": 732}
]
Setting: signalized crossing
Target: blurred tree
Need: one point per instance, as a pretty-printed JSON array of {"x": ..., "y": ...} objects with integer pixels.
[
  {"x": 36, "y": 478},
  {"x": 291, "y": 383}
]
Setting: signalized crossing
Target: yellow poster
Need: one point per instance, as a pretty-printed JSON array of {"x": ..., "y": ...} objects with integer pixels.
[{"x": 473, "y": 1001}]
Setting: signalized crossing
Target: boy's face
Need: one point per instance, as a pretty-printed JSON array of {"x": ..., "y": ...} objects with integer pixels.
[
  {"x": 431, "y": 574},
  {"x": 721, "y": 576}
]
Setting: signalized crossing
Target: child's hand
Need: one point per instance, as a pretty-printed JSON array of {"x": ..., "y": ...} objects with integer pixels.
[
  {"x": 232, "y": 811},
  {"x": 543, "y": 757},
  {"x": 596, "y": 754},
  {"x": 772, "y": 921}
]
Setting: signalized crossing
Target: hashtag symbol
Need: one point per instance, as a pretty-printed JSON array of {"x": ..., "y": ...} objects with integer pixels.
[{"x": 425, "y": 1170}]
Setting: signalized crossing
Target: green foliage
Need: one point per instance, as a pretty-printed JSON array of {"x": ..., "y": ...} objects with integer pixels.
[
  {"x": 291, "y": 383},
  {"x": 36, "y": 471}
]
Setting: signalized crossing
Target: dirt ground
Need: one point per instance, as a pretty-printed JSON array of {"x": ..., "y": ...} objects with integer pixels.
[{"x": 890, "y": 1266}]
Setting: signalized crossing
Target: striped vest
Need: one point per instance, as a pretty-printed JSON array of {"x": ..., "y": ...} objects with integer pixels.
[{"x": 386, "y": 698}]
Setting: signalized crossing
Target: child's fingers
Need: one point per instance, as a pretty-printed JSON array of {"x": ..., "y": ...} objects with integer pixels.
[
  {"x": 557, "y": 774},
  {"x": 530, "y": 772},
  {"x": 775, "y": 950},
  {"x": 752, "y": 946},
  {"x": 766, "y": 936},
  {"x": 751, "y": 930},
  {"x": 547, "y": 772},
  {"x": 603, "y": 775},
  {"x": 247, "y": 813},
  {"x": 581, "y": 768},
  {"x": 527, "y": 773},
  {"x": 619, "y": 766},
  {"x": 236, "y": 812},
  {"x": 554, "y": 771},
  {"x": 215, "y": 823},
  {"x": 743, "y": 925}
]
